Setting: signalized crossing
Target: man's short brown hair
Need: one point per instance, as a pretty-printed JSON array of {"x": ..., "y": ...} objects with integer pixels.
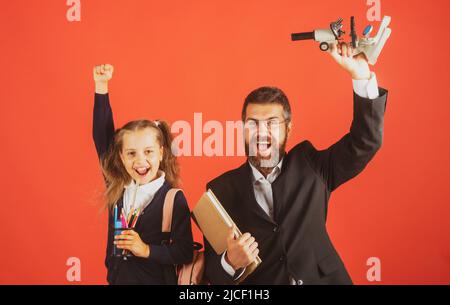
[{"x": 268, "y": 95}]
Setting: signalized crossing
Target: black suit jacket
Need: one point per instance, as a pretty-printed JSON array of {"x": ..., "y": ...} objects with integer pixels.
[{"x": 296, "y": 243}]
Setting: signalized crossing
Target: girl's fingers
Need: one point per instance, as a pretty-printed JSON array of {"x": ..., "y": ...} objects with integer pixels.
[
  {"x": 124, "y": 236},
  {"x": 332, "y": 48},
  {"x": 124, "y": 242},
  {"x": 130, "y": 232},
  {"x": 109, "y": 67},
  {"x": 125, "y": 247},
  {"x": 104, "y": 69}
]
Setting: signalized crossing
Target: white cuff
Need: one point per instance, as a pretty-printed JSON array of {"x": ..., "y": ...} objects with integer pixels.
[
  {"x": 227, "y": 267},
  {"x": 367, "y": 88}
]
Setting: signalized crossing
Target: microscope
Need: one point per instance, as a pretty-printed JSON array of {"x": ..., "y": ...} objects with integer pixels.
[{"x": 370, "y": 46}]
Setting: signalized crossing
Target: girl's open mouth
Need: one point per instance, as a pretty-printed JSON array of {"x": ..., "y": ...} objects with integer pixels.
[{"x": 142, "y": 171}]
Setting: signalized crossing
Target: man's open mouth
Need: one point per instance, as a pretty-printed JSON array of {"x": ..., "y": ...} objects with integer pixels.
[
  {"x": 263, "y": 146},
  {"x": 142, "y": 171}
]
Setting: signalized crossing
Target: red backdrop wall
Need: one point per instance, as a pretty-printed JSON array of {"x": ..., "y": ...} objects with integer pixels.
[{"x": 174, "y": 58}]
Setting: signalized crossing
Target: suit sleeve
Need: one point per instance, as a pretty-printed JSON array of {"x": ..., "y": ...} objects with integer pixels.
[
  {"x": 103, "y": 124},
  {"x": 110, "y": 238},
  {"x": 180, "y": 251},
  {"x": 103, "y": 134},
  {"x": 349, "y": 156},
  {"x": 214, "y": 271}
]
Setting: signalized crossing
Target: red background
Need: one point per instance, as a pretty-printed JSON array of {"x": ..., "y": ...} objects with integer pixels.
[{"x": 174, "y": 58}]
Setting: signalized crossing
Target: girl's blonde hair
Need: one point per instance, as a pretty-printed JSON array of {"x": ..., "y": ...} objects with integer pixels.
[{"x": 114, "y": 171}]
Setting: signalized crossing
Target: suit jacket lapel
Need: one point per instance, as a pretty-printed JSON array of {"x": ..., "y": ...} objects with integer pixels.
[{"x": 280, "y": 188}]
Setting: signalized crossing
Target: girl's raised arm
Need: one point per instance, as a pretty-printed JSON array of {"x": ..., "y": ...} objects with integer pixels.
[{"x": 103, "y": 125}]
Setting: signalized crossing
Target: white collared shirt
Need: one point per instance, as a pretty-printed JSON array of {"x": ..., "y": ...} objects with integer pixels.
[
  {"x": 142, "y": 195},
  {"x": 367, "y": 88},
  {"x": 262, "y": 187}
]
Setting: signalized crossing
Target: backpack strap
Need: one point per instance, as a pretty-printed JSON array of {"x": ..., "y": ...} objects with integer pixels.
[{"x": 168, "y": 210}]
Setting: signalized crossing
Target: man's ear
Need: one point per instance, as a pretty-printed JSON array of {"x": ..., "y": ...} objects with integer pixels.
[{"x": 288, "y": 129}]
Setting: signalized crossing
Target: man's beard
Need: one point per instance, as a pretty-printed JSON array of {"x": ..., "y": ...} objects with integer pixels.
[{"x": 266, "y": 164}]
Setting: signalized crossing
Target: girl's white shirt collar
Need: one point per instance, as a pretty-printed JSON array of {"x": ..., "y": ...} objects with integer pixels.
[{"x": 144, "y": 193}]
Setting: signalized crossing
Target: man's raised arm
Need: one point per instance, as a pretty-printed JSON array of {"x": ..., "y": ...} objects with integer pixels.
[{"x": 350, "y": 155}]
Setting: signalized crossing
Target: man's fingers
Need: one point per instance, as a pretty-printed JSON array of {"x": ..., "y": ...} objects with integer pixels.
[
  {"x": 244, "y": 238},
  {"x": 361, "y": 55},
  {"x": 230, "y": 234},
  {"x": 251, "y": 256},
  {"x": 249, "y": 241},
  {"x": 253, "y": 247},
  {"x": 350, "y": 51},
  {"x": 255, "y": 254},
  {"x": 344, "y": 49},
  {"x": 334, "y": 51}
]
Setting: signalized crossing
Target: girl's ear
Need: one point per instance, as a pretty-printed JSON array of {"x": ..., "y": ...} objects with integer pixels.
[
  {"x": 121, "y": 157},
  {"x": 161, "y": 153}
]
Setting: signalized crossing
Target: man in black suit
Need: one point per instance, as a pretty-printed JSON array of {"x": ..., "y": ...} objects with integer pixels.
[{"x": 280, "y": 199}]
